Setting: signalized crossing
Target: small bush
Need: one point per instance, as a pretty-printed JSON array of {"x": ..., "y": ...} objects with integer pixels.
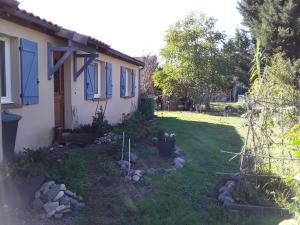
[
  {"x": 99, "y": 125},
  {"x": 137, "y": 127}
]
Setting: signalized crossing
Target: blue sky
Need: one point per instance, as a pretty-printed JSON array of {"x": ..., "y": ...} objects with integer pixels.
[{"x": 135, "y": 27}]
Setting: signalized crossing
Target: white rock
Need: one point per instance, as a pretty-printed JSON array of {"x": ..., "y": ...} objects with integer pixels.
[
  {"x": 70, "y": 193},
  {"x": 228, "y": 200},
  {"x": 138, "y": 172},
  {"x": 50, "y": 208},
  {"x": 46, "y": 186},
  {"x": 135, "y": 178},
  {"x": 178, "y": 160},
  {"x": 63, "y": 187},
  {"x": 223, "y": 188},
  {"x": 59, "y": 196},
  {"x": 62, "y": 208},
  {"x": 223, "y": 195}
]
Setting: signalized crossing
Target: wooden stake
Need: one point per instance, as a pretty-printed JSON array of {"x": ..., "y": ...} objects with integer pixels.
[{"x": 129, "y": 156}]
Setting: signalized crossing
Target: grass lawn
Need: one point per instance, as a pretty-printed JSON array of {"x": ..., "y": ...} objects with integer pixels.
[{"x": 187, "y": 196}]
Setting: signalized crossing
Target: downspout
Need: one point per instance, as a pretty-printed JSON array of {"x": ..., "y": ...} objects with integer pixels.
[{"x": 139, "y": 85}]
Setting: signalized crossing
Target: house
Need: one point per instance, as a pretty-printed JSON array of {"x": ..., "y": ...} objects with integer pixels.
[{"x": 57, "y": 78}]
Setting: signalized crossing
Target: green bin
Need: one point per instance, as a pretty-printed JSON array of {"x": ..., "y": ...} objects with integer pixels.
[
  {"x": 9, "y": 133},
  {"x": 148, "y": 107}
]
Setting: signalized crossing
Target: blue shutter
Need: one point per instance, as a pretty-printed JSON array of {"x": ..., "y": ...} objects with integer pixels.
[
  {"x": 133, "y": 84},
  {"x": 29, "y": 72},
  {"x": 122, "y": 81},
  {"x": 108, "y": 80},
  {"x": 89, "y": 82}
]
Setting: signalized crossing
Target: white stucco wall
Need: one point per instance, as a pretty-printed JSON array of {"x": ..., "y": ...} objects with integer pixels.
[
  {"x": 37, "y": 123},
  {"x": 1, "y": 147},
  {"x": 35, "y": 127},
  {"x": 84, "y": 110}
]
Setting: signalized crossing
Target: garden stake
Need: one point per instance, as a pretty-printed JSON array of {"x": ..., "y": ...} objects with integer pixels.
[{"x": 129, "y": 156}]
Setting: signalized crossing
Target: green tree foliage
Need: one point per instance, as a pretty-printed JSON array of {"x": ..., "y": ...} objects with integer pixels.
[
  {"x": 191, "y": 58},
  {"x": 276, "y": 23},
  {"x": 237, "y": 56}
]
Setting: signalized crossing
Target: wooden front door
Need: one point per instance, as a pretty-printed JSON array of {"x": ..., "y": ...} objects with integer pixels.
[{"x": 59, "y": 106}]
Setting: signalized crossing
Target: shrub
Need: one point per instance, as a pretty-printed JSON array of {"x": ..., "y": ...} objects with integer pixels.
[{"x": 137, "y": 127}]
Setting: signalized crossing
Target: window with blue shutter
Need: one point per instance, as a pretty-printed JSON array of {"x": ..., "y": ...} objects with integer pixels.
[
  {"x": 29, "y": 72},
  {"x": 89, "y": 82},
  {"x": 108, "y": 80},
  {"x": 133, "y": 83},
  {"x": 122, "y": 81}
]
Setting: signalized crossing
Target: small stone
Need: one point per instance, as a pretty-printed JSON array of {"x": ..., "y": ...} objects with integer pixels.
[
  {"x": 78, "y": 197},
  {"x": 178, "y": 160},
  {"x": 133, "y": 157},
  {"x": 169, "y": 170},
  {"x": 230, "y": 184},
  {"x": 65, "y": 200},
  {"x": 154, "y": 139},
  {"x": 222, "y": 196},
  {"x": 178, "y": 165},
  {"x": 138, "y": 172},
  {"x": 66, "y": 211},
  {"x": 50, "y": 208},
  {"x": 178, "y": 151},
  {"x": 52, "y": 192},
  {"x": 59, "y": 196},
  {"x": 151, "y": 171},
  {"x": 161, "y": 170},
  {"x": 73, "y": 202},
  {"x": 37, "y": 204},
  {"x": 135, "y": 178},
  {"x": 223, "y": 188},
  {"x": 79, "y": 206},
  {"x": 70, "y": 193},
  {"x": 124, "y": 167},
  {"x": 63, "y": 187},
  {"x": 46, "y": 186},
  {"x": 62, "y": 208},
  {"x": 228, "y": 200},
  {"x": 58, "y": 215}
]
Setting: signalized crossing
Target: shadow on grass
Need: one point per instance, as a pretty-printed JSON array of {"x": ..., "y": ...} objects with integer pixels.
[{"x": 188, "y": 196}]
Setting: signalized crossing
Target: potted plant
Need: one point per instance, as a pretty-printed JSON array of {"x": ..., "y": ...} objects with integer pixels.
[{"x": 166, "y": 143}]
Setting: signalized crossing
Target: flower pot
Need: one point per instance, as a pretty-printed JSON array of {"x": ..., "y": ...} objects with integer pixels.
[{"x": 166, "y": 148}]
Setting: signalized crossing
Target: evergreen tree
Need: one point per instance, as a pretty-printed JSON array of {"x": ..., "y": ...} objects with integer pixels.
[{"x": 276, "y": 23}]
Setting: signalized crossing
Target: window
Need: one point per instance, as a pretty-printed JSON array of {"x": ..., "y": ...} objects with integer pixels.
[
  {"x": 5, "y": 70},
  {"x": 100, "y": 80},
  {"x": 127, "y": 78},
  {"x": 97, "y": 80},
  {"x": 127, "y": 82}
]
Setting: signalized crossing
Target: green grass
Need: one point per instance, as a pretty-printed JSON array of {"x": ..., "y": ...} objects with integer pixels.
[{"x": 187, "y": 196}]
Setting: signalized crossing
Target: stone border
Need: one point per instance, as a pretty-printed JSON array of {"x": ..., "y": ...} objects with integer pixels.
[{"x": 135, "y": 175}]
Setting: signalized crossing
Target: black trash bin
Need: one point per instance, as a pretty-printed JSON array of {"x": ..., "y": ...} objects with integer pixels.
[{"x": 9, "y": 132}]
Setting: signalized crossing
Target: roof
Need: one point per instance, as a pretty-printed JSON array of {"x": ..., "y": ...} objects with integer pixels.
[{"x": 9, "y": 10}]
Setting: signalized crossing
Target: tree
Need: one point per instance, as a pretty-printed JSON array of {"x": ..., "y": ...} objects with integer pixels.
[
  {"x": 276, "y": 23},
  {"x": 151, "y": 64},
  {"x": 191, "y": 58},
  {"x": 237, "y": 54}
]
